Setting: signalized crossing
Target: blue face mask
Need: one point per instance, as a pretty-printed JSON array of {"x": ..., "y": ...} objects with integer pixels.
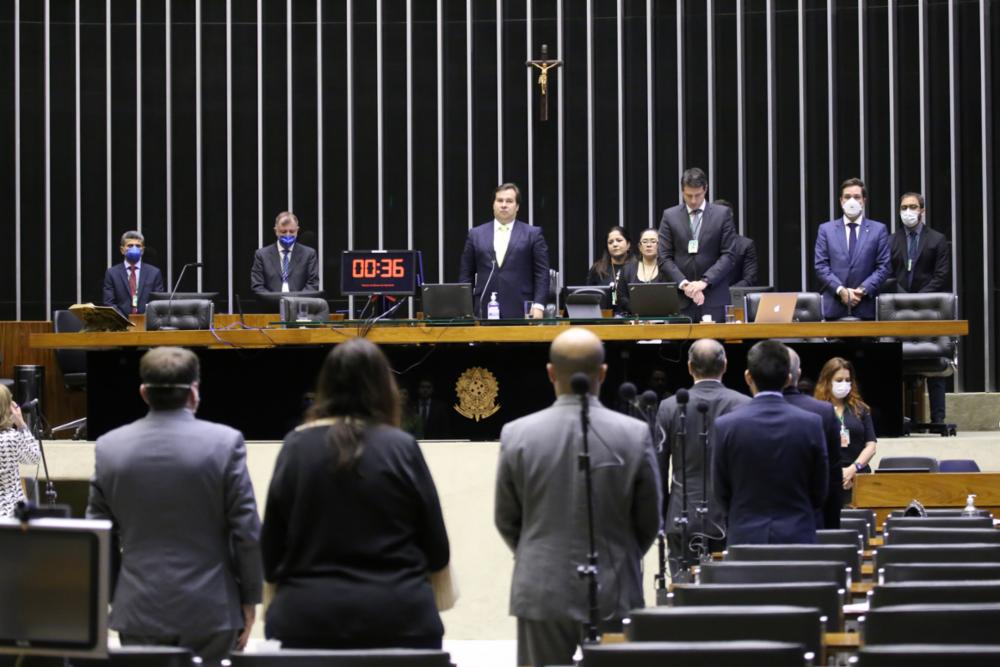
[
  {"x": 286, "y": 241},
  {"x": 132, "y": 254}
]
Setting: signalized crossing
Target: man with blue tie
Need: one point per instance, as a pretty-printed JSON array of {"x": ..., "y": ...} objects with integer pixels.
[
  {"x": 285, "y": 266},
  {"x": 508, "y": 257},
  {"x": 852, "y": 257},
  {"x": 127, "y": 286}
]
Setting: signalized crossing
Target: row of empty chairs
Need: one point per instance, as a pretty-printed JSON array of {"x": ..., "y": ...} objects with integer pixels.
[{"x": 926, "y": 464}]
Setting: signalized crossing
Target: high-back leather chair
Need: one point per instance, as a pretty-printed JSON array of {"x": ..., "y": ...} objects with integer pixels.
[
  {"x": 932, "y": 624},
  {"x": 696, "y": 654},
  {"x": 935, "y": 356},
  {"x": 827, "y": 597},
  {"x": 775, "y": 571},
  {"x": 984, "y": 571},
  {"x": 934, "y": 592},
  {"x": 183, "y": 314},
  {"x": 917, "y": 463},
  {"x": 848, "y": 554},
  {"x": 316, "y": 310},
  {"x": 942, "y": 536}
]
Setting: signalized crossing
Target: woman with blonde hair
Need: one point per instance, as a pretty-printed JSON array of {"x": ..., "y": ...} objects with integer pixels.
[
  {"x": 838, "y": 385},
  {"x": 17, "y": 446}
]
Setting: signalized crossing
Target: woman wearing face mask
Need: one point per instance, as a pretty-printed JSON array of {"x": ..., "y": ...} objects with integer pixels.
[
  {"x": 837, "y": 385},
  {"x": 609, "y": 269}
]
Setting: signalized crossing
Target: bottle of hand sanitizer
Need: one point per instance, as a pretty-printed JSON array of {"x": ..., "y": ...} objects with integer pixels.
[
  {"x": 493, "y": 308},
  {"x": 970, "y": 506}
]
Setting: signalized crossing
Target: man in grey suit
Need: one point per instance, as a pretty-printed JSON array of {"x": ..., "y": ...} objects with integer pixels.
[
  {"x": 706, "y": 364},
  {"x": 696, "y": 246},
  {"x": 179, "y": 494},
  {"x": 541, "y": 508},
  {"x": 287, "y": 265}
]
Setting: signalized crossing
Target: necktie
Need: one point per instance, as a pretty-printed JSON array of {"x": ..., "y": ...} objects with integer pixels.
[
  {"x": 284, "y": 266},
  {"x": 695, "y": 223},
  {"x": 852, "y": 243},
  {"x": 132, "y": 285},
  {"x": 911, "y": 246},
  {"x": 502, "y": 241},
  {"x": 425, "y": 410}
]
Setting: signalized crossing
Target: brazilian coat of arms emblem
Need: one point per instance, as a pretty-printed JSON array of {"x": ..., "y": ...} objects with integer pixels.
[{"x": 477, "y": 391}]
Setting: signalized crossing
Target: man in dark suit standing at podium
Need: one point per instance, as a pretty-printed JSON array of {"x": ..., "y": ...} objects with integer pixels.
[
  {"x": 508, "y": 257},
  {"x": 771, "y": 471},
  {"x": 127, "y": 286},
  {"x": 696, "y": 245},
  {"x": 921, "y": 262},
  {"x": 285, "y": 266}
]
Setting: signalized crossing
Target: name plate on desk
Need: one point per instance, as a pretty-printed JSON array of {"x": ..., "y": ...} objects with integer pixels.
[{"x": 100, "y": 318}]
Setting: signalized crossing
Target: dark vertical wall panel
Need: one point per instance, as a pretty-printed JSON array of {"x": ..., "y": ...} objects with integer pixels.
[
  {"x": 8, "y": 272},
  {"x": 33, "y": 161}
]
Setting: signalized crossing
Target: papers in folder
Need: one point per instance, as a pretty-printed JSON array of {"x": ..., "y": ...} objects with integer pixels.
[{"x": 100, "y": 318}]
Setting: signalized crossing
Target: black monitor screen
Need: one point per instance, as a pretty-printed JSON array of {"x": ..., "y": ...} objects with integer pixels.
[
  {"x": 50, "y": 587},
  {"x": 378, "y": 272}
]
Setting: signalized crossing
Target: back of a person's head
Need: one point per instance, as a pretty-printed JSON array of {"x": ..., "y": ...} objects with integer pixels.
[
  {"x": 707, "y": 359},
  {"x": 167, "y": 373},
  {"x": 768, "y": 363},
  {"x": 576, "y": 350},
  {"x": 6, "y": 408},
  {"x": 355, "y": 386}
]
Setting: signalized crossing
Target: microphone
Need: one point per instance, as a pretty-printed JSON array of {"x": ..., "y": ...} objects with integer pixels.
[
  {"x": 703, "y": 408},
  {"x": 170, "y": 301},
  {"x": 580, "y": 384},
  {"x": 682, "y": 396},
  {"x": 30, "y": 405},
  {"x": 650, "y": 399},
  {"x": 482, "y": 295}
]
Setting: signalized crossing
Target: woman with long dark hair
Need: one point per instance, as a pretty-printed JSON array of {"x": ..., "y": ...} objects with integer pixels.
[
  {"x": 353, "y": 525},
  {"x": 838, "y": 385},
  {"x": 609, "y": 269}
]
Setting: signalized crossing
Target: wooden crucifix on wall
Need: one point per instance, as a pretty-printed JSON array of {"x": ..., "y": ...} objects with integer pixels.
[{"x": 543, "y": 65}]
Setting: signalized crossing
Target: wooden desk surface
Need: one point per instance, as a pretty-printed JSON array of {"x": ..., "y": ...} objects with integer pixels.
[
  {"x": 884, "y": 493},
  {"x": 417, "y": 333}
]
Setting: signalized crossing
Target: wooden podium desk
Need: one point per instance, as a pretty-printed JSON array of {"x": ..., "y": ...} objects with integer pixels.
[
  {"x": 255, "y": 379},
  {"x": 892, "y": 491}
]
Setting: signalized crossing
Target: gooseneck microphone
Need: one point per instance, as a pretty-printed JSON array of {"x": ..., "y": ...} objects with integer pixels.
[
  {"x": 482, "y": 295},
  {"x": 170, "y": 301}
]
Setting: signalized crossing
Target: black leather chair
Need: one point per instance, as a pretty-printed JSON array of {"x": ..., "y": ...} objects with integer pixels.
[
  {"x": 958, "y": 465},
  {"x": 826, "y": 597},
  {"x": 935, "y": 512},
  {"x": 696, "y": 654},
  {"x": 183, "y": 314},
  {"x": 776, "y": 571},
  {"x": 915, "y": 463},
  {"x": 808, "y": 307},
  {"x": 895, "y": 572},
  {"x": 849, "y": 555},
  {"x": 942, "y": 536},
  {"x": 860, "y": 526},
  {"x": 934, "y": 592},
  {"x": 866, "y": 514},
  {"x": 347, "y": 658},
  {"x": 72, "y": 363},
  {"x": 781, "y": 623},
  {"x": 932, "y": 623},
  {"x": 923, "y": 357},
  {"x": 316, "y": 310},
  {"x": 928, "y": 655},
  {"x": 935, "y": 553},
  {"x": 850, "y": 536},
  {"x": 938, "y": 521}
]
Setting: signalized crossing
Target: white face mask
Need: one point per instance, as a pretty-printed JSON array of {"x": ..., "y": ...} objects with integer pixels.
[
  {"x": 852, "y": 208},
  {"x": 909, "y": 217},
  {"x": 842, "y": 389}
]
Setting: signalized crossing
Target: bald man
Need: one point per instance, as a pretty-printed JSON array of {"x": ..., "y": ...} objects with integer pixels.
[
  {"x": 541, "y": 509},
  {"x": 830, "y": 513},
  {"x": 706, "y": 365}
]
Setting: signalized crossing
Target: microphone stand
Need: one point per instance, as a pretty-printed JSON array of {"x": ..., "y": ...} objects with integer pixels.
[
  {"x": 702, "y": 509},
  {"x": 581, "y": 386},
  {"x": 170, "y": 301},
  {"x": 36, "y": 432},
  {"x": 684, "y": 563}
]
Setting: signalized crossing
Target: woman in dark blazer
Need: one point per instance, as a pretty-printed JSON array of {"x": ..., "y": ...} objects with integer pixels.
[
  {"x": 353, "y": 526},
  {"x": 610, "y": 268}
]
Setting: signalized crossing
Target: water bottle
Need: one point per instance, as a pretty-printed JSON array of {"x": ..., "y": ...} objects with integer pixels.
[
  {"x": 970, "y": 506},
  {"x": 493, "y": 308}
]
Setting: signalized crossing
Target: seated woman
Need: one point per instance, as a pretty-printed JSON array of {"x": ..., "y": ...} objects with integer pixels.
[
  {"x": 609, "y": 269},
  {"x": 17, "y": 446},
  {"x": 838, "y": 385},
  {"x": 647, "y": 269},
  {"x": 353, "y": 525}
]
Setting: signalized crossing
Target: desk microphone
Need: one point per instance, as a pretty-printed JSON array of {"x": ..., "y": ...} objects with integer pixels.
[
  {"x": 30, "y": 405},
  {"x": 482, "y": 295},
  {"x": 170, "y": 301}
]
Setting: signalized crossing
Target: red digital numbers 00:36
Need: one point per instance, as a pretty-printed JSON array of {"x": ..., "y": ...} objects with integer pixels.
[{"x": 378, "y": 268}]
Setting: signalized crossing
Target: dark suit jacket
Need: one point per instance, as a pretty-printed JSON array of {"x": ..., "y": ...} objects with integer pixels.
[
  {"x": 524, "y": 275},
  {"x": 303, "y": 271},
  {"x": 744, "y": 263},
  {"x": 771, "y": 471},
  {"x": 179, "y": 494},
  {"x": 350, "y": 550},
  {"x": 720, "y": 401},
  {"x": 116, "y": 292},
  {"x": 714, "y": 259},
  {"x": 831, "y": 429},
  {"x": 869, "y": 268},
  {"x": 541, "y": 514},
  {"x": 932, "y": 266},
  {"x": 437, "y": 425}
]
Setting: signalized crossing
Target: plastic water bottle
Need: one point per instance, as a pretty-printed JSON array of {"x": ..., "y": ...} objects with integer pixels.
[
  {"x": 970, "y": 506},
  {"x": 493, "y": 308}
]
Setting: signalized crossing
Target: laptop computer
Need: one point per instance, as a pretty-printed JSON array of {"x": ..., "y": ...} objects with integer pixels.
[
  {"x": 447, "y": 301},
  {"x": 776, "y": 308},
  {"x": 654, "y": 299}
]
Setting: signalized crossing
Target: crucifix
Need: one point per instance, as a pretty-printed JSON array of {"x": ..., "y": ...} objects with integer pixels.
[{"x": 544, "y": 65}]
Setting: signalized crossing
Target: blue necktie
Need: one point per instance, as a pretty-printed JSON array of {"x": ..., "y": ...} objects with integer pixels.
[
  {"x": 284, "y": 266},
  {"x": 911, "y": 247},
  {"x": 853, "y": 242}
]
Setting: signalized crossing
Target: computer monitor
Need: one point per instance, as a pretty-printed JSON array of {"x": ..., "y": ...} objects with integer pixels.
[
  {"x": 653, "y": 299},
  {"x": 54, "y": 587},
  {"x": 271, "y": 301},
  {"x": 447, "y": 301},
  {"x": 603, "y": 290},
  {"x": 178, "y": 296}
]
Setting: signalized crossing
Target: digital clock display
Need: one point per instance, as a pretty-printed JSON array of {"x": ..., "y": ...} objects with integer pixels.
[{"x": 378, "y": 272}]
